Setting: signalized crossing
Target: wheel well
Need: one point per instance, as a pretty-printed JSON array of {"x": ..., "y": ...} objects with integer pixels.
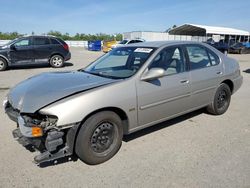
[
  {"x": 116, "y": 110},
  {"x": 5, "y": 59},
  {"x": 230, "y": 84},
  {"x": 56, "y": 54}
]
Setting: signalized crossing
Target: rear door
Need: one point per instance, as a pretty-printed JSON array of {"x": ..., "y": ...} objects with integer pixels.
[
  {"x": 206, "y": 73},
  {"x": 42, "y": 49},
  {"x": 167, "y": 96},
  {"x": 21, "y": 52}
]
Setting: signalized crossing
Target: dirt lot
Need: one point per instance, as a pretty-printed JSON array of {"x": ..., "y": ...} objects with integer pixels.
[{"x": 195, "y": 150}]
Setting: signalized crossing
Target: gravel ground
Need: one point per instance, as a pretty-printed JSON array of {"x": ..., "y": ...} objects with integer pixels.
[{"x": 194, "y": 150}]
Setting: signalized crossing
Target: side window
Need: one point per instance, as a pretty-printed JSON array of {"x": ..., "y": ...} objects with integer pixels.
[
  {"x": 198, "y": 57},
  {"x": 54, "y": 41},
  {"x": 214, "y": 58},
  {"x": 40, "y": 41},
  {"x": 170, "y": 59},
  {"x": 131, "y": 42},
  {"x": 23, "y": 42}
]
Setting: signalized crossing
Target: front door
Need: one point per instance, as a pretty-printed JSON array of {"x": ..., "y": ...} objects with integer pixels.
[
  {"x": 21, "y": 52},
  {"x": 168, "y": 96}
]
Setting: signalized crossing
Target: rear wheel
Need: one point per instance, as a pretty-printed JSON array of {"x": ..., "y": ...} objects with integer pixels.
[
  {"x": 99, "y": 138},
  {"x": 56, "y": 61},
  {"x": 221, "y": 100},
  {"x": 3, "y": 64}
]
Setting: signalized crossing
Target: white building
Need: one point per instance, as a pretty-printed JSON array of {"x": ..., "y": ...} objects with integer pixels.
[{"x": 191, "y": 32}]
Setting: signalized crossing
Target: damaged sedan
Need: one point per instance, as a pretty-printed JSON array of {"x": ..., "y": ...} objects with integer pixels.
[{"x": 86, "y": 112}]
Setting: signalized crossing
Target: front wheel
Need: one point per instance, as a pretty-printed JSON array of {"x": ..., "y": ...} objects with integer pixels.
[
  {"x": 99, "y": 138},
  {"x": 221, "y": 100},
  {"x": 56, "y": 61},
  {"x": 3, "y": 64}
]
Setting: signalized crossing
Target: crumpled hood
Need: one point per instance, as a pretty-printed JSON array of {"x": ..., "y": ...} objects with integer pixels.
[{"x": 43, "y": 89}]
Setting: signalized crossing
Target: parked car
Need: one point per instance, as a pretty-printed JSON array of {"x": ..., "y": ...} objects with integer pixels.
[
  {"x": 107, "y": 45},
  {"x": 126, "y": 90},
  {"x": 223, "y": 45},
  {"x": 239, "y": 48},
  {"x": 126, "y": 42},
  {"x": 31, "y": 50}
]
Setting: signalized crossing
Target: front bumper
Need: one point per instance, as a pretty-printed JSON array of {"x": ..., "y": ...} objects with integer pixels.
[{"x": 54, "y": 143}]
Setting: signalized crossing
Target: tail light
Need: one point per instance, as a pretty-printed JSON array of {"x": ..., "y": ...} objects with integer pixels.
[{"x": 66, "y": 47}]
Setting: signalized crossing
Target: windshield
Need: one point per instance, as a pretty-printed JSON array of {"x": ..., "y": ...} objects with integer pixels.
[
  {"x": 123, "y": 42},
  {"x": 120, "y": 63}
]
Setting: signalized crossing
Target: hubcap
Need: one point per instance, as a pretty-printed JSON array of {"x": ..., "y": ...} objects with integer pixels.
[
  {"x": 102, "y": 137},
  {"x": 57, "y": 61},
  {"x": 222, "y": 99}
]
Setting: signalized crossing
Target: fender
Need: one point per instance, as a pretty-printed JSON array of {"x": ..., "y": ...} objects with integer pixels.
[{"x": 5, "y": 58}]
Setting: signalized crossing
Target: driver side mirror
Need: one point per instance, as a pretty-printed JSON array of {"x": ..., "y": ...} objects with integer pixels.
[
  {"x": 12, "y": 47},
  {"x": 152, "y": 74}
]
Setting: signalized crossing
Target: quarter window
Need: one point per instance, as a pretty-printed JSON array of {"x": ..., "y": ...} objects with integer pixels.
[
  {"x": 170, "y": 59},
  {"x": 198, "y": 57},
  {"x": 41, "y": 41},
  {"x": 54, "y": 41},
  {"x": 214, "y": 58}
]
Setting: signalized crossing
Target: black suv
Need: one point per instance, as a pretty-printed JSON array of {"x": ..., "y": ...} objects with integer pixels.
[{"x": 33, "y": 50}]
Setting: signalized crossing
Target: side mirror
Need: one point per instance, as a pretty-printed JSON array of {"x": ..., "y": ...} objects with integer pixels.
[
  {"x": 12, "y": 47},
  {"x": 152, "y": 74}
]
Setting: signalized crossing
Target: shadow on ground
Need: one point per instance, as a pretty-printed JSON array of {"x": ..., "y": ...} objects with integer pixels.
[
  {"x": 40, "y": 65},
  {"x": 162, "y": 125},
  {"x": 133, "y": 136}
]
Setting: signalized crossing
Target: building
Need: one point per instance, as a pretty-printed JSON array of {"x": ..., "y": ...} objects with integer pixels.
[
  {"x": 216, "y": 33},
  {"x": 192, "y": 32}
]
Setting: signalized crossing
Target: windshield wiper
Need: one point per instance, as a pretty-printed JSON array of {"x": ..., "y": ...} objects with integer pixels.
[{"x": 102, "y": 75}]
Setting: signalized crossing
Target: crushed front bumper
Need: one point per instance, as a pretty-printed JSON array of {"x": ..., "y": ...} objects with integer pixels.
[{"x": 53, "y": 144}]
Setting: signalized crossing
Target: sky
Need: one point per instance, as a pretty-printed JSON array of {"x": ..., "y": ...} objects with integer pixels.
[{"x": 116, "y": 16}]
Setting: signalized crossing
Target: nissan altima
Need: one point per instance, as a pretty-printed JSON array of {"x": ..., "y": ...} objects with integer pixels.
[{"x": 87, "y": 112}]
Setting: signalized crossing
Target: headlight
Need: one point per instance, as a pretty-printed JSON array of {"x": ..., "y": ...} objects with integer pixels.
[{"x": 39, "y": 120}]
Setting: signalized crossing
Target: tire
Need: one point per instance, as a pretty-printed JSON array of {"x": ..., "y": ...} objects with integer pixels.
[
  {"x": 56, "y": 61},
  {"x": 3, "y": 64},
  {"x": 99, "y": 138},
  {"x": 221, "y": 100}
]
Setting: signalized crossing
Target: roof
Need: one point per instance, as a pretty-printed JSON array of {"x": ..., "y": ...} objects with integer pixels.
[
  {"x": 158, "y": 44},
  {"x": 202, "y": 30}
]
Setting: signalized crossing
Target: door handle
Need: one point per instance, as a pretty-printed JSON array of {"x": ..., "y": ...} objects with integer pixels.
[
  {"x": 184, "y": 81},
  {"x": 219, "y": 72}
]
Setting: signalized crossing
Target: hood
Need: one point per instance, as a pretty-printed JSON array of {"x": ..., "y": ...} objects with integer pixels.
[
  {"x": 3, "y": 48},
  {"x": 41, "y": 90}
]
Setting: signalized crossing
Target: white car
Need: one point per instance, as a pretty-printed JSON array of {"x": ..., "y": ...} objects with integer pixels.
[{"x": 126, "y": 41}]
